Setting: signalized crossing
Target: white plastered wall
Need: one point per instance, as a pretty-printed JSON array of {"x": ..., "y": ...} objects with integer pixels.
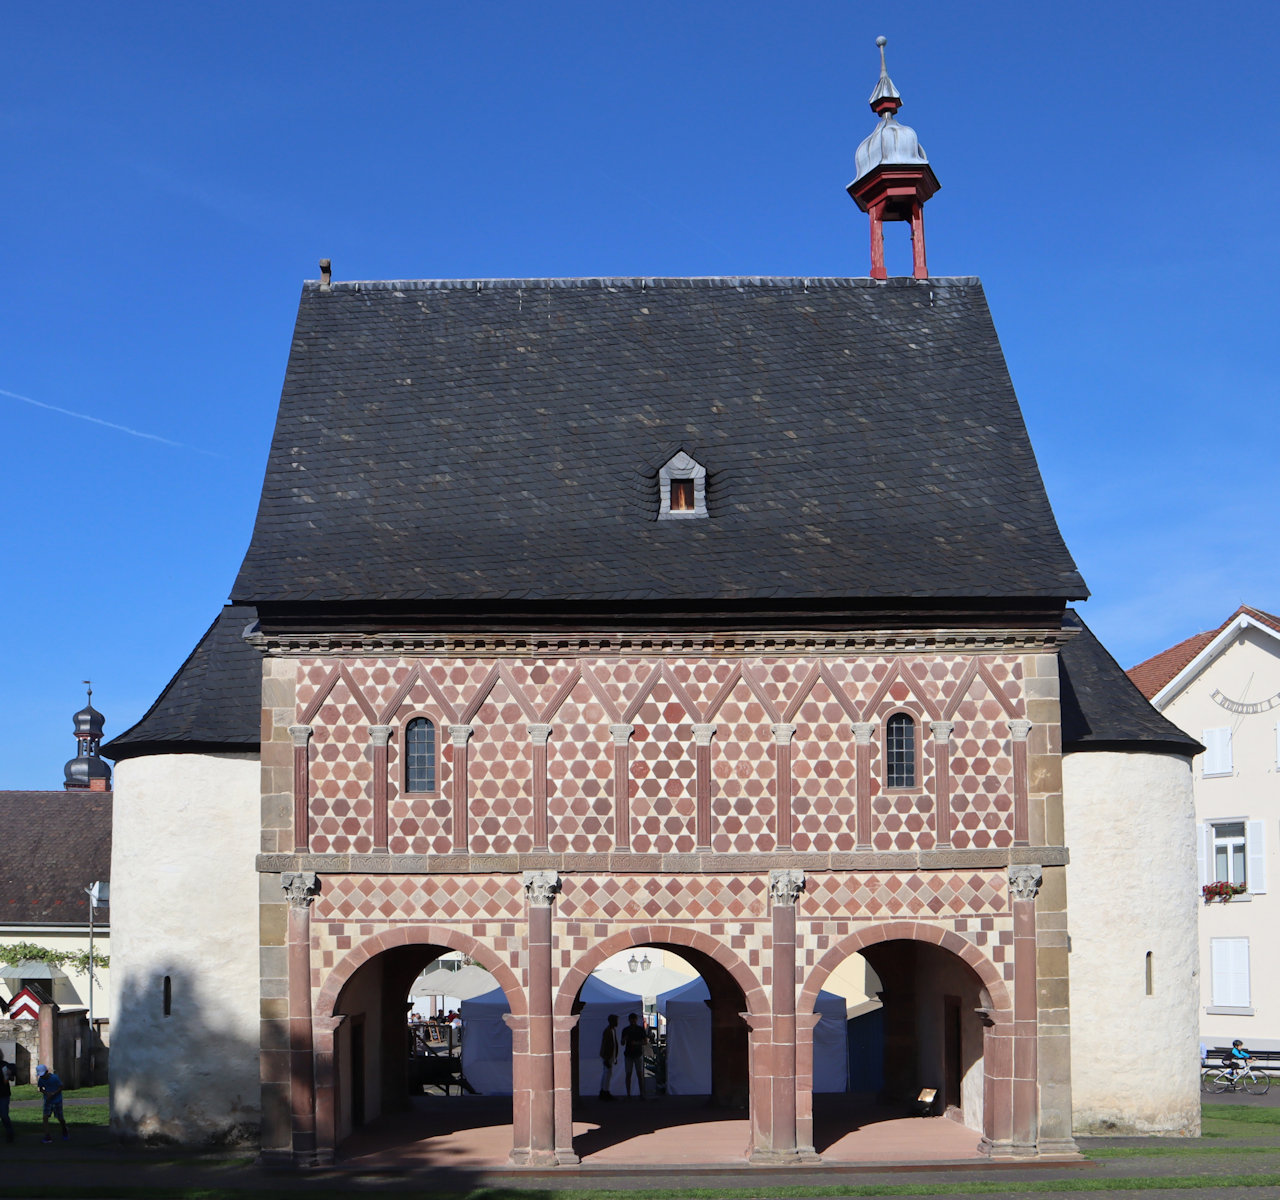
[
  {"x": 184, "y": 905},
  {"x": 1132, "y": 887}
]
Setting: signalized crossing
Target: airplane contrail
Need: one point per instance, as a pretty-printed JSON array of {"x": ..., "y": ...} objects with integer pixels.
[{"x": 66, "y": 412}]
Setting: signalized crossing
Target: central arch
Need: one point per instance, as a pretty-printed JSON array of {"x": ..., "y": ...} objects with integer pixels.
[{"x": 401, "y": 954}]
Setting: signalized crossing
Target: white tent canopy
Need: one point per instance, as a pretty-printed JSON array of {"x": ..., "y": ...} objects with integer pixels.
[
  {"x": 464, "y": 984},
  {"x": 486, "y": 1040}
]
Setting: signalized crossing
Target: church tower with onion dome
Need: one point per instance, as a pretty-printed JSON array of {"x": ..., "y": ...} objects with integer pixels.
[
  {"x": 87, "y": 771},
  {"x": 894, "y": 177}
]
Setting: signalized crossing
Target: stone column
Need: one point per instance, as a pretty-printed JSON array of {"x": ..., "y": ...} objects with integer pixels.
[
  {"x": 941, "y": 731},
  {"x": 1019, "y": 730},
  {"x": 461, "y": 735},
  {"x": 784, "y": 890},
  {"x": 562, "y": 1035},
  {"x": 300, "y": 889},
  {"x": 621, "y": 735},
  {"x": 533, "y": 1072},
  {"x": 325, "y": 1038},
  {"x": 1024, "y": 883},
  {"x": 702, "y": 735},
  {"x": 782, "y": 735},
  {"x": 301, "y": 735},
  {"x": 539, "y": 735},
  {"x": 862, "y": 782},
  {"x": 379, "y": 737}
]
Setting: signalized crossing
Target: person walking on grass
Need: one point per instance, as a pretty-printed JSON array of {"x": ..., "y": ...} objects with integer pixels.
[
  {"x": 6, "y": 1077},
  {"x": 608, "y": 1056},
  {"x": 51, "y": 1089}
]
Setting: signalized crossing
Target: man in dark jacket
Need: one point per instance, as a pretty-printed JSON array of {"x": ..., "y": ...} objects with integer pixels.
[{"x": 608, "y": 1056}]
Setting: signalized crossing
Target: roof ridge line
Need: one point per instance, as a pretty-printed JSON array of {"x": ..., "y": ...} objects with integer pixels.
[{"x": 644, "y": 282}]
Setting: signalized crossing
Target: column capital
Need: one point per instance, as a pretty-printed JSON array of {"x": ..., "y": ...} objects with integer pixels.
[
  {"x": 621, "y": 734},
  {"x": 785, "y": 886},
  {"x": 942, "y": 731},
  {"x": 862, "y": 732},
  {"x": 702, "y": 734},
  {"x": 379, "y": 735},
  {"x": 1025, "y": 880},
  {"x": 1019, "y": 730},
  {"x": 460, "y": 734},
  {"x": 301, "y": 734},
  {"x": 300, "y": 888},
  {"x": 538, "y": 734},
  {"x": 540, "y": 887},
  {"x": 782, "y": 734}
]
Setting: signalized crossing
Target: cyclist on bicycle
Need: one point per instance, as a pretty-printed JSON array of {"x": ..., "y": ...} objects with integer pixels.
[{"x": 1239, "y": 1059}]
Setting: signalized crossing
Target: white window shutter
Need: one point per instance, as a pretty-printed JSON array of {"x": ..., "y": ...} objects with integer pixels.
[
  {"x": 1204, "y": 852},
  {"x": 1230, "y": 964},
  {"x": 1255, "y": 870},
  {"x": 1217, "y": 751}
]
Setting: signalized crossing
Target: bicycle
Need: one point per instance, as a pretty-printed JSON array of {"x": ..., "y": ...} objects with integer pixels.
[{"x": 1225, "y": 1079}]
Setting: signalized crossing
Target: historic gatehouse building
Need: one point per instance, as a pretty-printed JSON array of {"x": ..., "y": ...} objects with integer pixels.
[{"x": 724, "y": 615}]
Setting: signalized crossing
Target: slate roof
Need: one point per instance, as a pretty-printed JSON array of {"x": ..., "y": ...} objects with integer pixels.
[
  {"x": 213, "y": 702},
  {"x": 55, "y": 844},
  {"x": 457, "y": 442},
  {"x": 1155, "y": 672},
  {"x": 1101, "y": 707}
]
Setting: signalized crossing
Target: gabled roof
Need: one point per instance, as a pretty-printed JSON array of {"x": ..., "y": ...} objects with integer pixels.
[
  {"x": 463, "y": 442},
  {"x": 1162, "y": 670},
  {"x": 54, "y": 845},
  {"x": 1102, "y": 709},
  {"x": 213, "y": 703}
]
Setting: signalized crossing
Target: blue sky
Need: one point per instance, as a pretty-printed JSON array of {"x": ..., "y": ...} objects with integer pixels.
[{"x": 171, "y": 172}]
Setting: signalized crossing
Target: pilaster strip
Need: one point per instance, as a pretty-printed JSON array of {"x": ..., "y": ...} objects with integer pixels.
[
  {"x": 301, "y": 735},
  {"x": 702, "y": 735},
  {"x": 862, "y": 783},
  {"x": 942, "y": 816},
  {"x": 379, "y": 738},
  {"x": 1019, "y": 731},
  {"x": 621, "y": 735},
  {"x": 782, "y": 735},
  {"x": 538, "y": 735},
  {"x": 460, "y": 735}
]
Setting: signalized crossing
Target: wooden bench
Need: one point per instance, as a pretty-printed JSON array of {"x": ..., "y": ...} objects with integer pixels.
[{"x": 1265, "y": 1058}]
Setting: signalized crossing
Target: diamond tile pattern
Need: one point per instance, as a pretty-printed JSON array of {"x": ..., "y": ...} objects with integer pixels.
[
  {"x": 668, "y": 897},
  {"x": 889, "y": 894},
  {"x": 663, "y": 699},
  {"x": 437, "y": 897}
]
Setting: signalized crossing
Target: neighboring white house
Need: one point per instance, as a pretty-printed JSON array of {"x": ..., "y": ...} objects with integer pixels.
[{"x": 1223, "y": 687}]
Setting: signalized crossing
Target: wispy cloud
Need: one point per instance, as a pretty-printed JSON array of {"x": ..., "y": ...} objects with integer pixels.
[{"x": 151, "y": 437}]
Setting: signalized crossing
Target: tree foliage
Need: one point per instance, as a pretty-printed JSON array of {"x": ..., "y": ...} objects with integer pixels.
[{"x": 15, "y": 953}]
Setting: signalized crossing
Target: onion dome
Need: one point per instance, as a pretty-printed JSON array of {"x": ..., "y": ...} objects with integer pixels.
[
  {"x": 89, "y": 722},
  {"x": 889, "y": 143},
  {"x": 81, "y": 772},
  {"x": 87, "y": 770}
]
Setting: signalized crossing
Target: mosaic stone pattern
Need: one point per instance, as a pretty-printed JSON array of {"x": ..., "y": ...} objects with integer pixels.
[
  {"x": 891, "y": 894},
  {"x": 663, "y": 700},
  {"x": 663, "y": 897},
  {"x": 430, "y": 898}
]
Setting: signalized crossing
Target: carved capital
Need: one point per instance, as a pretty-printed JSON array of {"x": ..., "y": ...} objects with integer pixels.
[
  {"x": 862, "y": 732},
  {"x": 540, "y": 887},
  {"x": 1019, "y": 730},
  {"x": 300, "y": 888},
  {"x": 942, "y": 731},
  {"x": 379, "y": 735},
  {"x": 782, "y": 734},
  {"x": 1024, "y": 880},
  {"x": 538, "y": 734},
  {"x": 460, "y": 734},
  {"x": 785, "y": 886},
  {"x": 702, "y": 734},
  {"x": 301, "y": 734},
  {"x": 621, "y": 734}
]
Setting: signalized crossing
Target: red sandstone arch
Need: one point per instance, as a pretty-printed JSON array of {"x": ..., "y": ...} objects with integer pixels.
[
  {"x": 419, "y": 935},
  {"x": 671, "y": 935},
  {"x": 915, "y": 931}
]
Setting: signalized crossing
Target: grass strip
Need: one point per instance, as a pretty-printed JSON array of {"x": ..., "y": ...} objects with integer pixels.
[
  {"x": 1244, "y": 1113},
  {"x": 1173, "y": 1151}
]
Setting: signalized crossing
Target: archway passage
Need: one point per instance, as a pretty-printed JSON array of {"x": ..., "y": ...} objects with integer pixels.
[
  {"x": 915, "y": 1050},
  {"x": 696, "y": 1071},
  {"x": 383, "y": 1099}
]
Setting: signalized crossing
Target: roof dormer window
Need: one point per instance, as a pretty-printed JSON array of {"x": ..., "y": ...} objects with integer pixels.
[{"x": 682, "y": 489}]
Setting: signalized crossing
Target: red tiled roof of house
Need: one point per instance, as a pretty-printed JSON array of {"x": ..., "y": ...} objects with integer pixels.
[{"x": 1153, "y": 674}]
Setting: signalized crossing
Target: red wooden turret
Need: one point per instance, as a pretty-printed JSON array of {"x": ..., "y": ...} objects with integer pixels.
[{"x": 894, "y": 177}]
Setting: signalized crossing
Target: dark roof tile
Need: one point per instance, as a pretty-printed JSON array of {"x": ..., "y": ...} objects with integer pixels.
[{"x": 55, "y": 845}]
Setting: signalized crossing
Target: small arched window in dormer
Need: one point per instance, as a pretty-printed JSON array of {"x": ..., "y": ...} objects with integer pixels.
[
  {"x": 900, "y": 751},
  {"x": 420, "y": 756},
  {"x": 682, "y": 488}
]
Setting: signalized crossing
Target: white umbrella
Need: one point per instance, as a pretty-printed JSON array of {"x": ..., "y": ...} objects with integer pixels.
[
  {"x": 465, "y": 984},
  {"x": 652, "y": 982}
]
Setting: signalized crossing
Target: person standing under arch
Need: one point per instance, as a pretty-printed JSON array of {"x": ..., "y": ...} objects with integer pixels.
[{"x": 608, "y": 1056}]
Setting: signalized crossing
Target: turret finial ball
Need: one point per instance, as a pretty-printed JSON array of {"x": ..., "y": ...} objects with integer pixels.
[{"x": 882, "y": 40}]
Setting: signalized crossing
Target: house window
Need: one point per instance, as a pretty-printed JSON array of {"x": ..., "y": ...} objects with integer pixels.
[
  {"x": 420, "y": 756},
  {"x": 1217, "y": 751},
  {"x": 682, "y": 488},
  {"x": 682, "y": 495},
  {"x": 1229, "y": 961},
  {"x": 1234, "y": 851},
  {"x": 900, "y": 751}
]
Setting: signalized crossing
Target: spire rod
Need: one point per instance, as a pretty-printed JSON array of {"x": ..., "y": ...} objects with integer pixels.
[{"x": 885, "y": 97}]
